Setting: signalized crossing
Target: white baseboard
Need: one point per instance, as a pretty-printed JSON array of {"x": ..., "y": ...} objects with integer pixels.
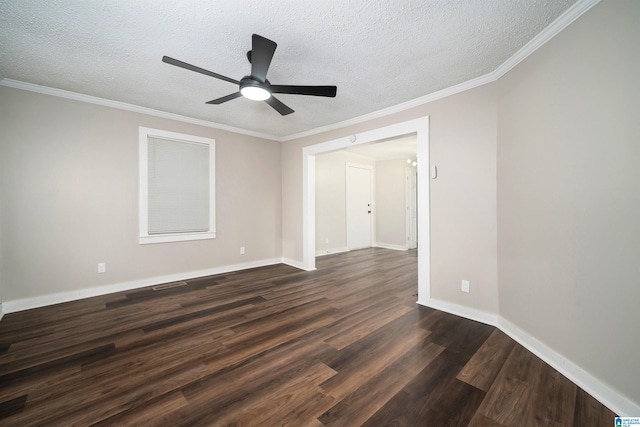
[
  {"x": 602, "y": 392},
  {"x": 390, "y": 246},
  {"x": 296, "y": 264},
  {"x": 61, "y": 297},
  {"x": 596, "y": 388},
  {"x": 332, "y": 251},
  {"x": 462, "y": 311}
]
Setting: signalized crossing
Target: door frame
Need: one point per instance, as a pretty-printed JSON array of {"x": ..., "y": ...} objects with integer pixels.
[
  {"x": 371, "y": 200},
  {"x": 411, "y": 199},
  {"x": 419, "y": 127}
]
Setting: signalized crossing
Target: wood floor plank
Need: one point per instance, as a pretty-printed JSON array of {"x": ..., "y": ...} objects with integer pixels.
[
  {"x": 510, "y": 400},
  {"x": 12, "y": 406},
  {"x": 456, "y": 407},
  {"x": 364, "y": 327},
  {"x": 361, "y": 404},
  {"x": 483, "y": 367},
  {"x": 590, "y": 412},
  {"x": 362, "y": 360},
  {"x": 344, "y": 345},
  {"x": 151, "y": 413},
  {"x": 279, "y": 402},
  {"x": 409, "y": 406},
  {"x": 132, "y": 398}
]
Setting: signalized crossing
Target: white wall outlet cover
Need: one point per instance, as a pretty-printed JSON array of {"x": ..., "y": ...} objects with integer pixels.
[
  {"x": 465, "y": 286},
  {"x": 102, "y": 267}
]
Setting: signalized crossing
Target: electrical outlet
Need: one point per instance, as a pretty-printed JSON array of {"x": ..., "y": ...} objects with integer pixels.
[
  {"x": 241, "y": 250},
  {"x": 326, "y": 240},
  {"x": 102, "y": 267},
  {"x": 465, "y": 286}
]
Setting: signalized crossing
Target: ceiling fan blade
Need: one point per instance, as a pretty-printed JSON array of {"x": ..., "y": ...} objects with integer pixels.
[
  {"x": 225, "y": 98},
  {"x": 186, "y": 66},
  {"x": 262, "y": 51},
  {"x": 278, "y": 106},
  {"x": 329, "y": 91}
]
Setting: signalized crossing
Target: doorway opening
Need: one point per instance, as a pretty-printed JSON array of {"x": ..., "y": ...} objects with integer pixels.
[{"x": 418, "y": 127}]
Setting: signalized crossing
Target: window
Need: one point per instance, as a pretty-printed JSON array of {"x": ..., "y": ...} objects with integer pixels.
[{"x": 177, "y": 187}]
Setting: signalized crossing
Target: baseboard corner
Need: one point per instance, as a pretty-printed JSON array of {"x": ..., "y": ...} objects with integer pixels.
[
  {"x": 295, "y": 264},
  {"x": 460, "y": 310},
  {"x": 390, "y": 246}
]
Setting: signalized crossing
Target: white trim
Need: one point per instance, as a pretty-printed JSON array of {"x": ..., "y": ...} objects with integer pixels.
[
  {"x": 461, "y": 310},
  {"x": 45, "y": 90},
  {"x": 1, "y": 311},
  {"x": 564, "y": 20},
  {"x": 410, "y": 199},
  {"x": 479, "y": 81},
  {"x": 295, "y": 264},
  {"x": 331, "y": 251},
  {"x": 61, "y": 297},
  {"x": 602, "y": 392},
  {"x": 390, "y": 246},
  {"x": 560, "y": 23},
  {"x": 143, "y": 209},
  {"x": 419, "y": 127},
  {"x": 583, "y": 379}
]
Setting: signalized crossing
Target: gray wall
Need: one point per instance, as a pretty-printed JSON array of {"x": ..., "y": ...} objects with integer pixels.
[
  {"x": 69, "y": 185},
  {"x": 390, "y": 203},
  {"x": 331, "y": 209},
  {"x": 569, "y": 194},
  {"x": 463, "y": 198}
]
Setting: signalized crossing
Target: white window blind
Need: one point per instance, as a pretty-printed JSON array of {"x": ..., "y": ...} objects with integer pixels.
[{"x": 178, "y": 186}]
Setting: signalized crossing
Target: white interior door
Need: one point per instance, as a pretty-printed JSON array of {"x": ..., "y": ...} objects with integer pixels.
[{"x": 359, "y": 209}]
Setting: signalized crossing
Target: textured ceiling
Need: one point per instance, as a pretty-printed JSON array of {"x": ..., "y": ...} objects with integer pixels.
[{"x": 379, "y": 53}]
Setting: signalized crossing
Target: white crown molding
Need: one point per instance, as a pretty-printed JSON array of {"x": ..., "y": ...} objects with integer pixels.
[
  {"x": 479, "y": 81},
  {"x": 61, "y": 297},
  {"x": 45, "y": 90},
  {"x": 570, "y": 15},
  {"x": 564, "y": 20},
  {"x": 583, "y": 379}
]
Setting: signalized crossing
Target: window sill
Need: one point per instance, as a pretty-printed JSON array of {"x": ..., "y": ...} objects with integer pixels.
[{"x": 182, "y": 237}]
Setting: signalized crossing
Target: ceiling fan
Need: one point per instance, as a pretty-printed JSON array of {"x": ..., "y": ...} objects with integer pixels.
[{"x": 255, "y": 86}]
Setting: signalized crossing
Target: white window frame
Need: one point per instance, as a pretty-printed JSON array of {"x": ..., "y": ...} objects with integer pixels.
[{"x": 145, "y": 237}]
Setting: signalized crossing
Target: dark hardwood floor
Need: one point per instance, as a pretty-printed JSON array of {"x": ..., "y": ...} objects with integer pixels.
[{"x": 344, "y": 345}]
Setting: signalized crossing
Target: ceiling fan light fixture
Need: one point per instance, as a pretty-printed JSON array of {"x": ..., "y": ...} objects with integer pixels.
[{"x": 255, "y": 93}]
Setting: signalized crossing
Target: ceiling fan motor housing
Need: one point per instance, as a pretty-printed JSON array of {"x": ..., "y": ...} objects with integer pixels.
[{"x": 254, "y": 89}]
